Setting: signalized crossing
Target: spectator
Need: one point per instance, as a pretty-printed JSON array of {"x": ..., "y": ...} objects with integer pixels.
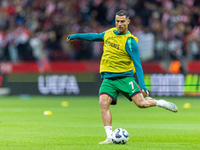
[
  {"x": 146, "y": 44},
  {"x": 168, "y": 20},
  {"x": 36, "y": 45}
]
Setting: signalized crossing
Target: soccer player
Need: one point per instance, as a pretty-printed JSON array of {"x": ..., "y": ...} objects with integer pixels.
[{"x": 120, "y": 60}]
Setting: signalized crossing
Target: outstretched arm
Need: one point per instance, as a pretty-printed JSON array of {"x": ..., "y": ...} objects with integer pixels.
[
  {"x": 133, "y": 50},
  {"x": 87, "y": 36}
]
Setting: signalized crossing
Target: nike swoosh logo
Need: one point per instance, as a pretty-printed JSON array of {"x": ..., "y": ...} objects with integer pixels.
[
  {"x": 133, "y": 91},
  {"x": 173, "y": 105}
]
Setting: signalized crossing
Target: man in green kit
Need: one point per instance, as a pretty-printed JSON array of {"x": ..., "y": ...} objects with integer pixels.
[{"x": 120, "y": 60}]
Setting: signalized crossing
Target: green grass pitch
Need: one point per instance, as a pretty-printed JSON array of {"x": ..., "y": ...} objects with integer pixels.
[{"x": 23, "y": 125}]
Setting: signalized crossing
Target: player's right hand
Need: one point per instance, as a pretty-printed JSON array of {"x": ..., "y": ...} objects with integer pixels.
[{"x": 69, "y": 39}]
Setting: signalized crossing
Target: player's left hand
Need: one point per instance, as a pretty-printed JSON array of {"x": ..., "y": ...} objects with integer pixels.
[{"x": 146, "y": 93}]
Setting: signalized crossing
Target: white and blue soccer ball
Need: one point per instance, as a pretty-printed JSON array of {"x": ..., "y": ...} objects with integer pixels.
[{"x": 120, "y": 136}]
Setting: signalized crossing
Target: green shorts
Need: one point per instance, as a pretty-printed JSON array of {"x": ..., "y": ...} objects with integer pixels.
[{"x": 125, "y": 85}]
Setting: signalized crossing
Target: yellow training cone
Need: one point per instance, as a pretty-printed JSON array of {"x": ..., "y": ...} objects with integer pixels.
[
  {"x": 47, "y": 112},
  {"x": 186, "y": 105},
  {"x": 64, "y": 104}
]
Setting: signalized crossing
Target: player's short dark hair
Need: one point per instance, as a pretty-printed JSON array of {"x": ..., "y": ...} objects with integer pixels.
[{"x": 123, "y": 13}]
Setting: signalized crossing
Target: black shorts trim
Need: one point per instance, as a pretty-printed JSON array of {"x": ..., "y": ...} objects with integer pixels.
[
  {"x": 114, "y": 101},
  {"x": 134, "y": 95}
]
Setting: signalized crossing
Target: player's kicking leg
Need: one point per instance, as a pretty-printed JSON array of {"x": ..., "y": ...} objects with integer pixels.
[
  {"x": 162, "y": 103},
  {"x": 167, "y": 105},
  {"x": 146, "y": 102}
]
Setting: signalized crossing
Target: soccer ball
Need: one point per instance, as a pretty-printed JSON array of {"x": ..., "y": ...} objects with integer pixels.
[{"x": 120, "y": 136}]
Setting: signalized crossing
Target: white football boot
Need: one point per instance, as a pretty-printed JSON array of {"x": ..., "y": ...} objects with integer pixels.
[
  {"x": 170, "y": 106},
  {"x": 107, "y": 141}
]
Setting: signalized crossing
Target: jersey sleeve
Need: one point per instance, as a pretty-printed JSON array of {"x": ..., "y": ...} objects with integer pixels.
[
  {"x": 88, "y": 36},
  {"x": 133, "y": 50}
]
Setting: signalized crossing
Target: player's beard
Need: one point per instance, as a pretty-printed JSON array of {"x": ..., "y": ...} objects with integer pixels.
[{"x": 121, "y": 29}]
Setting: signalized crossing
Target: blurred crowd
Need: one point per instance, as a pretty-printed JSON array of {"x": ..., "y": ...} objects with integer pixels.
[{"x": 37, "y": 29}]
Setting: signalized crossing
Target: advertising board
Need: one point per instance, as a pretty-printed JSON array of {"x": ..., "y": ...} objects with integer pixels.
[{"x": 88, "y": 84}]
